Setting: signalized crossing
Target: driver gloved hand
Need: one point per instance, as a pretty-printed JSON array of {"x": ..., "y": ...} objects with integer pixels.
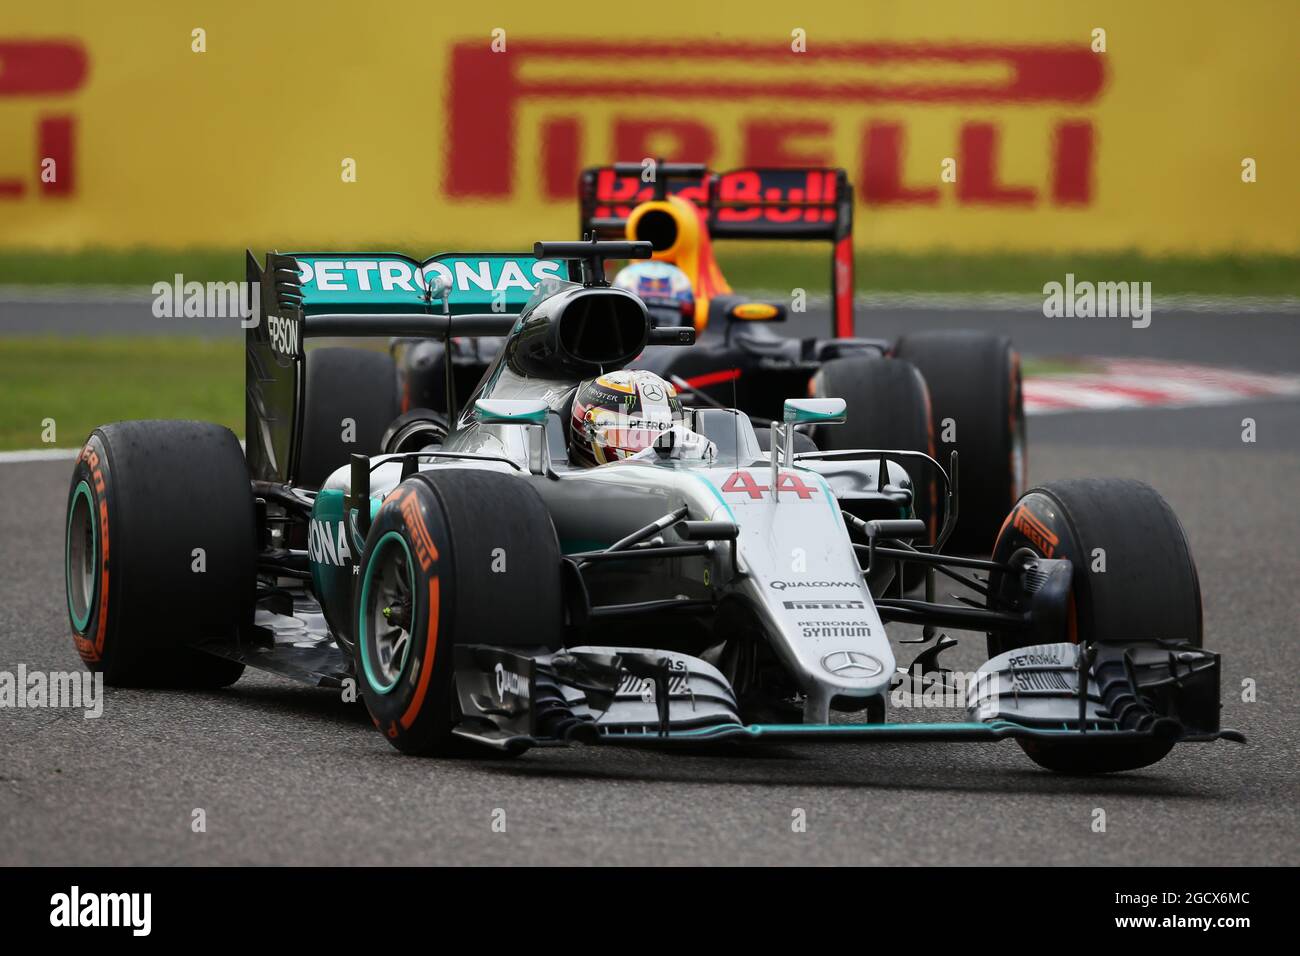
[{"x": 680, "y": 444}]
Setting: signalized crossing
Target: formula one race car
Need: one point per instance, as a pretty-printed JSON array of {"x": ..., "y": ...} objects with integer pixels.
[{"x": 491, "y": 589}]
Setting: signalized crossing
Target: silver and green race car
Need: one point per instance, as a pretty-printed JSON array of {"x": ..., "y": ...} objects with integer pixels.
[{"x": 474, "y": 588}]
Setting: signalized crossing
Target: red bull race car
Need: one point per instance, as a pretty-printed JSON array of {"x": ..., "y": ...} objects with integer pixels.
[{"x": 933, "y": 392}]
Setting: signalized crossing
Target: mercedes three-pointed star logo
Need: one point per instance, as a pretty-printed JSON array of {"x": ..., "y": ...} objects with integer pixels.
[{"x": 851, "y": 664}]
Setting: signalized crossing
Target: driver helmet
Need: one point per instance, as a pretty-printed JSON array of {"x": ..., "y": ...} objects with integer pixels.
[
  {"x": 665, "y": 290},
  {"x": 620, "y": 414}
]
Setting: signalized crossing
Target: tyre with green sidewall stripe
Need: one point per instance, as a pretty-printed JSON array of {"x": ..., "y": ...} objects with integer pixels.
[
  {"x": 160, "y": 552},
  {"x": 453, "y": 556}
]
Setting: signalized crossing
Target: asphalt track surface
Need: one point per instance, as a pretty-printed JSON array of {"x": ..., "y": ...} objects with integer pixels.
[{"x": 291, "y": 774}]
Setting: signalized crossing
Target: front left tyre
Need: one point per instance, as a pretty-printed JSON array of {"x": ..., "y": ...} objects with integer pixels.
[
  {"x": 453, "y": 556},
  {"x": 160, "y": 552}
]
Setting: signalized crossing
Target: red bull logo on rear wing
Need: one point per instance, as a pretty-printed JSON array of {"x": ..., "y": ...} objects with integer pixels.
[{"x": 758, "y": 203}]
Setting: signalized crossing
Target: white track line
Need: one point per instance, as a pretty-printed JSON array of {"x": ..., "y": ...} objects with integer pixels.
[
  {"x": 1109, "y": 384},
  {"x": 89, "y": 295},
  {"x": 38, "y": 454}
]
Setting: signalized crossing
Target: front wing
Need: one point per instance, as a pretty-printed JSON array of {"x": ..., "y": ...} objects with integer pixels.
[{"x": 606, "y": 695}]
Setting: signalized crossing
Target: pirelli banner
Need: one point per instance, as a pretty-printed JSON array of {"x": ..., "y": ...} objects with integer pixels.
[{"x": 1163, "y": 127}]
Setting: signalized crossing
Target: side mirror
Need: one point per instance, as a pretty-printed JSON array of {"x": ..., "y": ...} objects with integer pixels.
[
  {"x": 531, "y": 412},
  {"x": 800, "y": 411},
  {"x": 815, "y": 411},
  {"x": 671, "y": 335},
  {"x": 501, "y": 411}
]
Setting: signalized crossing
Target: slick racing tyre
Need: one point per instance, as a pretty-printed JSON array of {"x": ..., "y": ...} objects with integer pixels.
[
  {"x": 975, "y": 399},
  {"x": 454, "y": 556},
  {"x": 160, "y": 552},
  {"x": 413, "y": 431},
  {"x": 1134, "y": 579},
  {"x": 887, "y": 407},
  {"x": 351, "y": 398},
  {"x": 421, "y": 373}
]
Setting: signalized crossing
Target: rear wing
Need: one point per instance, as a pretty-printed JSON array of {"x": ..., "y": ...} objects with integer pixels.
[
  {"x": 477, "y": 282},
  {"x": 608, "y": 194},
  {"x": 808, "y": 203},
  {"x": 315, "y": 294}
]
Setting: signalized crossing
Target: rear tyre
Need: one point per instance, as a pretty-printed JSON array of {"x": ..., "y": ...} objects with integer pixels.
[
  {"x": 888, "y": 407},
  {"x": 160, "y": 552},
  {"x": 454, "y": 556},
  {"x": 421, "y": 373},
  {"x": 350, "y": 394},
  {"x": 974, "y": 381},
  {"x": 1134, "y": 580},
  {"x": 802, "y": 443},
  {"x": 413, "y": 431}
]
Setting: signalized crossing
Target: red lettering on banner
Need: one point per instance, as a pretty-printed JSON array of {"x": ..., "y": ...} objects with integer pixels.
[
  {"x": 768, "y": 143},
  {"x": 481, "y": 99},
  {"x": 561, "y": 146},
  {"x": 976, "y": 165},
  {"x": 486, "y": 91},
  {"x": 690, "y": 141},
  {"x": 882, "y": 170},
  {"x": 55, "y": 138},
  {"x": 1072, "y": 164},
  {"x": 42, "y": 68}
]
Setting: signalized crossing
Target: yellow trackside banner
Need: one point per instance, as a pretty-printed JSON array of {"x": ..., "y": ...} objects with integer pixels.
[{"x": 1162, "y": 126}]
